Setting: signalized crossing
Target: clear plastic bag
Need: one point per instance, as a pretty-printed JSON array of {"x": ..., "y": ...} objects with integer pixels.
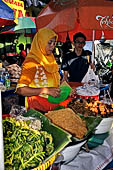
[
  {"x": 17, "y": 110},
  {"x": 90, "y": 77}
]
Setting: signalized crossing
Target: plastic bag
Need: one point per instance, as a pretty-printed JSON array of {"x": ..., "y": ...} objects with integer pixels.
[
  {"x": 17, "y": 110},
  {"x": 90, "y": 77}
]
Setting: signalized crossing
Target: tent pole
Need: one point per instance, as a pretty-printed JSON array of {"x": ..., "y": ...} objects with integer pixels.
[
  {"x": 1, "y": 137},
  {"x": 93, "y": 49}
]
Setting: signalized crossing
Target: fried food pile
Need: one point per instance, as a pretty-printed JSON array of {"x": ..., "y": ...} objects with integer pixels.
[
  {"x": 69, "y": 121},
  {"x": 91, "y": 107},
  {"x": 80, "y": 106}
]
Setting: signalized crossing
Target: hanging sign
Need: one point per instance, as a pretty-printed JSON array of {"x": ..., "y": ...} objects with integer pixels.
[{"x": 17, "y": 6}]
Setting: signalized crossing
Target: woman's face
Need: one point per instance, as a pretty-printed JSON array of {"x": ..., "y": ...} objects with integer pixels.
[{"x": 50, "y": 46}]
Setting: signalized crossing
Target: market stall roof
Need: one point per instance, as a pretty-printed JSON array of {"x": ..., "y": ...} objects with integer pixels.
[
  {"x": 6, "y": 14},
  {"x": 78, "y": 16},
  {"x": 25, "y": 25}
]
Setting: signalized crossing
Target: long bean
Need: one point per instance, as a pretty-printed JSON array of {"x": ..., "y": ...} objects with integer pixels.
[{"x": 28, "y": 147}]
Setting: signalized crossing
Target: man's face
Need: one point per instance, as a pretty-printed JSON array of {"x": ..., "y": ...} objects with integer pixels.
[
  {"x": 2, "y": 56},
  {"x": 79, "y": 43}
]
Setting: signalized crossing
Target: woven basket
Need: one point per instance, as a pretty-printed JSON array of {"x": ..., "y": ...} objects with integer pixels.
[{"x": 45, "y": 165}]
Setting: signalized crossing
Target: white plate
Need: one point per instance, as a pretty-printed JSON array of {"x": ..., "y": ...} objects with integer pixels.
[{"x": 87, "y": 90}]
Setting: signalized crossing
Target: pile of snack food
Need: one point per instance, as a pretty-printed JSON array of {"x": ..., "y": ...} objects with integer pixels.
[
  {"x": 68, "y": 120},
  {"x": 91, "y": 107},
  {"x": 14, "y": 71}
]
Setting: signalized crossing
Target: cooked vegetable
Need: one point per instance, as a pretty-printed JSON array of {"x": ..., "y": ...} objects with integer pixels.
[{"x": 24, "y": 147}]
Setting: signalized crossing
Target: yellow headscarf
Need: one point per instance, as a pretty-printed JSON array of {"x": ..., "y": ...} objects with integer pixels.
[{"x": 38, "y": 53}]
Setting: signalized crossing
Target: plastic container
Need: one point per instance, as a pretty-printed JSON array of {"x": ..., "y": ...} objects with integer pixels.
[
  {"x": 7, "y": 80},
  {"x": 2, "y": 77},
  {"x": 86, "y": 97}
]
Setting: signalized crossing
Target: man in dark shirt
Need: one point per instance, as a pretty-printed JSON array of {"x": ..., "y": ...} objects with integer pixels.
[{"x": 75, "y": 64}]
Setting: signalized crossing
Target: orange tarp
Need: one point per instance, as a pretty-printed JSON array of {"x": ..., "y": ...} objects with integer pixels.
[{"x": 81, "y": 15}]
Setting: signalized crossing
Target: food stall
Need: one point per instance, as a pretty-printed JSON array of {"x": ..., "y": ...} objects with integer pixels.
[
  {"x": 100, "y": 144},
  {"x": 73, "y": 148}
]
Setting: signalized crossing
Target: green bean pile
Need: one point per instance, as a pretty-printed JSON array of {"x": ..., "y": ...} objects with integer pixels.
[{"x": 24, "y": 148}]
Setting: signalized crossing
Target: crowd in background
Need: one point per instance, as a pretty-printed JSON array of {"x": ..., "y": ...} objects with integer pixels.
[{"x": 102, "y": 61}]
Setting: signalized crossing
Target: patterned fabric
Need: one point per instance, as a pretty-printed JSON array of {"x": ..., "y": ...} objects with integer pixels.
[{"x": 35, "y": 75}]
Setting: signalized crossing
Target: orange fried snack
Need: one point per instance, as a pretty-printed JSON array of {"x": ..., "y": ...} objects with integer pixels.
[{"x": 69, "y": 121}]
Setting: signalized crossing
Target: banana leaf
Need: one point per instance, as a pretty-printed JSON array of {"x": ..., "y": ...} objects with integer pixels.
[
  {"x": 61, "y": 138},
  {"x": 91, "y": 124}
]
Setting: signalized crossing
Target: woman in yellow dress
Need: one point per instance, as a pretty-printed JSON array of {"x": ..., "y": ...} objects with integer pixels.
[{"x": 40, "y": 77}]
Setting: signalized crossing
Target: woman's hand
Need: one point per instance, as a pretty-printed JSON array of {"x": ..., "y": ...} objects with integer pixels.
[
  {"x": 29, "y": 91},
  {"x": 52, "y": 91}
]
